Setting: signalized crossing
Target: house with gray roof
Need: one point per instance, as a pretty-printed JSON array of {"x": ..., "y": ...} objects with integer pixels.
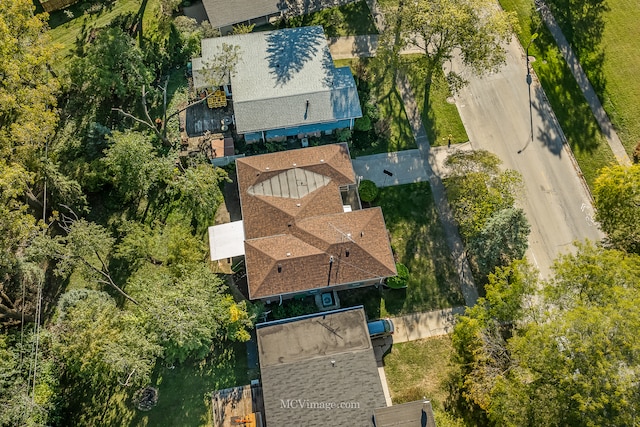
[
  {"x": 319, "y": 370},
  {"x": 284, "y": 84}
]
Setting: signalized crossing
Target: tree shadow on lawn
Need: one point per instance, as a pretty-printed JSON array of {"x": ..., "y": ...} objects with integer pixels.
[
  {"x": 582, "y": 23},
  {"x": 183, "y": 392},
  {"x": 418, "y": 242}
]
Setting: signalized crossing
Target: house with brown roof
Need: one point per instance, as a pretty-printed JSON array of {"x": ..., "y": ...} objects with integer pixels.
[{"x": 303, "y": 227}]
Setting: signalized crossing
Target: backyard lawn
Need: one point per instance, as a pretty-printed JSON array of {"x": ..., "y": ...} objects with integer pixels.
[
  {"x": 576, "y": 119},
  {"x": 65, "y": 29},
  {"x": 183, "y": 394},
  {"x": 421, "y": 369},
  {"x": 418, "y": 241}
]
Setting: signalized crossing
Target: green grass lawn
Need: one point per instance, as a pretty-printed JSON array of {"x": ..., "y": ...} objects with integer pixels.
[
  {"x": 375, "y": 82},
  {"x": 421, "y": 369},
  {"x": 65, "y": 30},
  {"x": 439, "y": 113},
  {"x": 606, "y": 38},
  {"x": 576, "y": 119},
  {"x": 418, "y": 241},
  {"x": 347, "y": 20},
  {"x": 183, "y": 394}
]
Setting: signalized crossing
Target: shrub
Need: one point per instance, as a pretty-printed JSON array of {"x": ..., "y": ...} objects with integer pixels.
[
  {"x": 368, "y": 191},
  {"x": 400, "y": 281},
  {"x": 363, "y": 124}
]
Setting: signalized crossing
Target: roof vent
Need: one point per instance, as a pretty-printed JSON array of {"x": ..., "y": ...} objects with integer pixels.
[
  {"x": 267, "y": 168},
  {"x": 294, "y": 165},
  {"x": 279, "y": 268},
  {"x": 321, "y": 160},
  {"x": 346, "y": 253},
  {"x": 288, "y": 253},
  {"x": 298, "y": 204}
]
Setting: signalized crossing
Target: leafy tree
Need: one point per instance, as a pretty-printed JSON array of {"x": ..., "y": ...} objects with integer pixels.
[
  {"x": 101, "y": 345},
  {"x": 134, "y": 166},
  {"x": 109, "y": 73},
  {"x": 198, "y": 192},
  {"x": 617, "y": 195},
  {"x": 171, "y": 245},
  {"x": 569, "y": 359},
  {"x": 477, "y": 189},
  {"x": 473, "y": 29},
  {"x": 86, "y": 246},
  {"x": 502, "y": 240},
  {"x": 23, "y": 403},
  {"x": 18, "y": 280},
  {"x": 187, "y": 310},
  {"x": 28, "y": 90}
]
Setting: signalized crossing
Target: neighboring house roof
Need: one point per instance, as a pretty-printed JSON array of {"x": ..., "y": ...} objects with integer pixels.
[
  {"x": 283, "y": 79},
  {"x": 412, "y": 414},
  {"x": 317, "y": 360},
  {"x": 222, "y": 13},
  {"x": 298, "y": 237}
]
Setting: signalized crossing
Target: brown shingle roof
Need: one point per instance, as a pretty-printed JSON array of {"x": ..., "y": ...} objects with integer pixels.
[{"x": 300, "y": 239}]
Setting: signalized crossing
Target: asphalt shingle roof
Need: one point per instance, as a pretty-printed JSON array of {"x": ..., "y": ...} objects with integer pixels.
[
  {"x": 296, "y": 244},
  {"x": 284, "y": 78},
  {"x": 323, "y": 359}
]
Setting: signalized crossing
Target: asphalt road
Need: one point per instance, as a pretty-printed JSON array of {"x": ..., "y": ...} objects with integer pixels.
[{"x": 495, "y": 112}]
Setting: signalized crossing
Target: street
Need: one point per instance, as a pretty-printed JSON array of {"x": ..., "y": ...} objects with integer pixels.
[{"x": 495, "y": 111}]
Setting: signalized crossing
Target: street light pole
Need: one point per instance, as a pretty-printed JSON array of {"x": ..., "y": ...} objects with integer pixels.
[{"x": 529, "y": 80}]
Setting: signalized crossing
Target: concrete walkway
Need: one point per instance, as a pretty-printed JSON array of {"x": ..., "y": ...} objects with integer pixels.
[
  {"x": 419, "y": 326},
  {"x": 590, "y": 94},
  {"x": 405, "y": 166},
  {"x": 359, "y": 46}
]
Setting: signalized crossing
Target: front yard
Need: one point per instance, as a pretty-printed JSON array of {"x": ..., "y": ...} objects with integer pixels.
[
  {"x": 422, "y": 369},
  {"x": 418, "y": 242}
]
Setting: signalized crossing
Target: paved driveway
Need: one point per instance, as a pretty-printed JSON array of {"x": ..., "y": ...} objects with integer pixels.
[{"x": 405, "y": 166}]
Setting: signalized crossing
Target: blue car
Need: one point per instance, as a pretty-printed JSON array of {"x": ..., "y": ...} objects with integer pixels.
[{"x": 380, "y": 328}]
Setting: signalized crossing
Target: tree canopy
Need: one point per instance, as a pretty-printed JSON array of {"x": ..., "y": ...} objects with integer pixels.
[
  {"x": 473, "y": 29},
  {"x": 28, "y": 91},
  {"x": 617, "y": 195},
  {"x": 566, "y": 355}
]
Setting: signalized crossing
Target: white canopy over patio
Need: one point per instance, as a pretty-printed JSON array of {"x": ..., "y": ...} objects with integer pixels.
[{"x": 226, "y": 240}]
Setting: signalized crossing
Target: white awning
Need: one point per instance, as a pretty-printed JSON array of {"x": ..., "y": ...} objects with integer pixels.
[{"x": 226, "y": 240}]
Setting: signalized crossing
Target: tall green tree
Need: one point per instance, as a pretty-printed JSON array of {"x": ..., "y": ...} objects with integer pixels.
[
  {"x": 109, "y": 74},
  {"x": 502, "y": 240},
  {"x": 188, "y": 309},
  {"x": 101, "y": 345},
  {"x": 473, "y": 29},
  {"x": 570, "y": 355},
  {"x": 197, "y": 191},
  {"x": 134, "y": 165},
  {"x": 617, "y": 195},
  {"x": 28, "y": 88}
]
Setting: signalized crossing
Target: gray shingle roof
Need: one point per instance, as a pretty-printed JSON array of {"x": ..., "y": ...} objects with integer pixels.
[
  {"x": 222, "y": 13},
  {"x": 284, "y": 78},
  {"x": 323, "y": 359}
]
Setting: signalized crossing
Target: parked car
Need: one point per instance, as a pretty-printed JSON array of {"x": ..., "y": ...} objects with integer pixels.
[{"x": 380, "y": 328}]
